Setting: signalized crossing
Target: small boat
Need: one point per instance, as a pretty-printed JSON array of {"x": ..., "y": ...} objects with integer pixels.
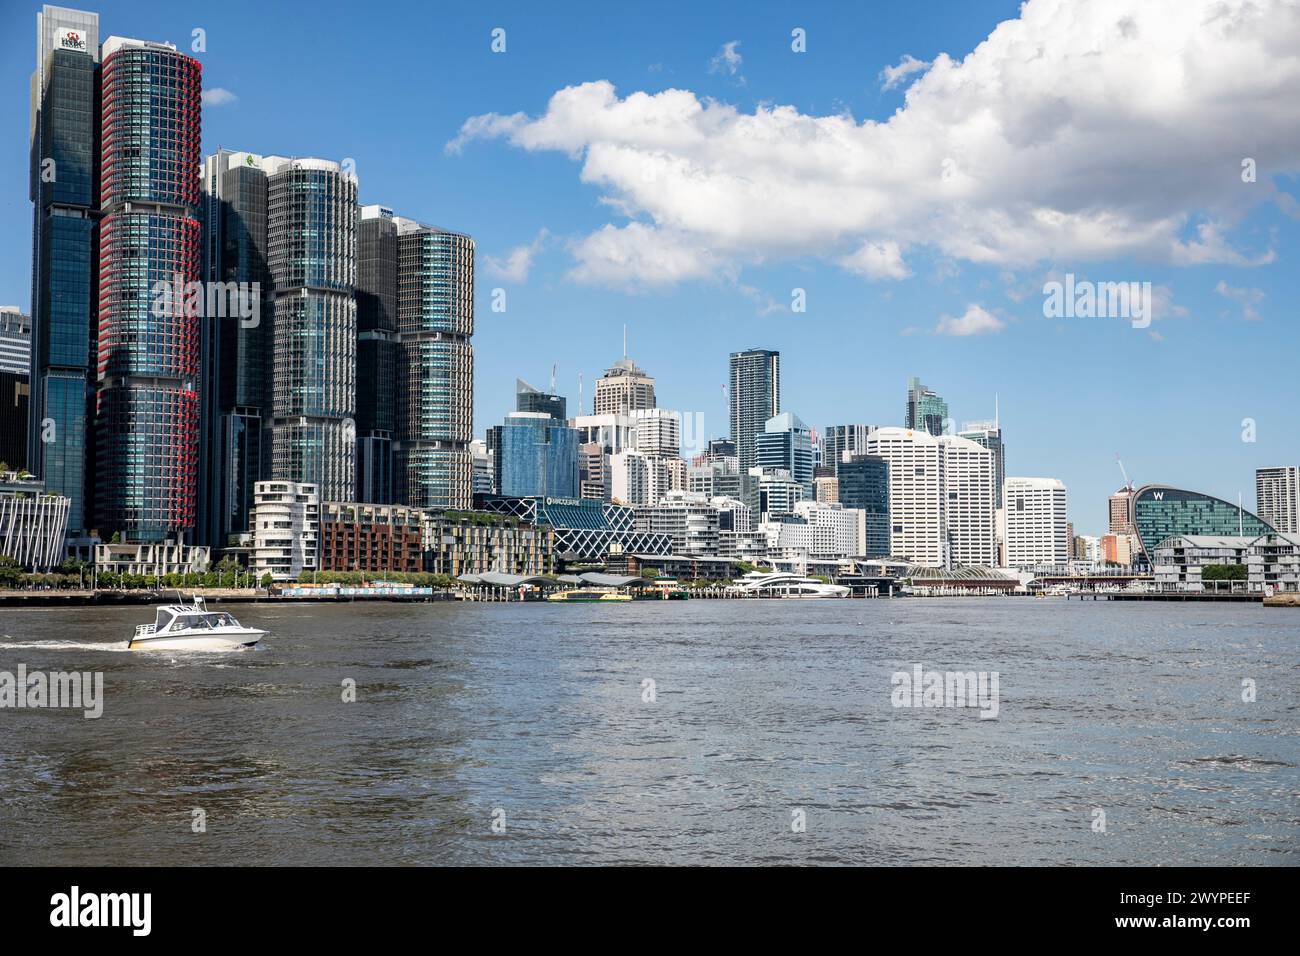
[
  {"x": 579, "y": 596},
  {"x": 192, "y": 627}
]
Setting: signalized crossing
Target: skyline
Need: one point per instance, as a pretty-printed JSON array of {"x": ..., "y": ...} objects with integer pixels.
[{"x": 505, "y": 196}]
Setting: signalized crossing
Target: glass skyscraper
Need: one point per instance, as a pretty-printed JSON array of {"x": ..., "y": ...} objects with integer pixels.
[
  {"x": 312, "y": 254},
  {"x": 535, "y": 454},
  {"x": 377, "y": 352},
  {"x": 234, "y": 349},
  {"x": 64, "y": 191},
  {"x": 864, "y": 484},
  {"x": 147, "y": 404},
  {"x": 435, "y": 367},
  {"x": 925, "y": 411},
  {"x": 786, "y": 442},
  {"x": 755, "y": 394}
]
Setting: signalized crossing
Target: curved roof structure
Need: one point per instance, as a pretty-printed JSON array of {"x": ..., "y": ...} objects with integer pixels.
[
  {"x": 962, "y": 572},
  {"x": 1163, "y": 511}
]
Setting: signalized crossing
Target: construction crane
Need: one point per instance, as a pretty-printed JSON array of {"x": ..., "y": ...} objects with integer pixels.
[{"x": 1128, "y": 485}]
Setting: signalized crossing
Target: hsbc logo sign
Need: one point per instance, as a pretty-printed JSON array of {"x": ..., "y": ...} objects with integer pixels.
[{"x": 72, "y": 40}]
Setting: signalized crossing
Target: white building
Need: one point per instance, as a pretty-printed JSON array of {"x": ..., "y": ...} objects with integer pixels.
[
  {"x": 1277, "y": 494},
  {"x": 1273, "y": 560},
  {"x": 696, "y": 523},
  {"x": 284, "y": 526},
  {"x": 835, "y": 529},
  {"x": 656, "y": 431},
  {"x": 32, "y": 523},
  {"x": 637, "y": 479},
  {"x": 1178, "y": 562},
  {"x": 776, "y": 492},
  {"x": 1037, "y": 533},
  {"x": 152, "y": 559},
  {"x": 941, "y": 502}
]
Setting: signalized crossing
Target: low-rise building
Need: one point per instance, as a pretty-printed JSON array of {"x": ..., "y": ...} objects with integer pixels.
[
  {"x": 32, "y": 522},
  {"x": 152, "y": 558},
  {"x": 457, "y": 543},
  {"x": 696, "y": 523},
  {"x": 1273, "y": 560},
  {"x": 1179, "y": 562},
  {"x": 355, "y": 536}
]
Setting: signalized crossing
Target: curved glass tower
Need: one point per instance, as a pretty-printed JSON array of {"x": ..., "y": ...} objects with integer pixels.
[
  {"x": 147, "y": 356},
  {"x": 1160, "y": 512},
  {"x": 311, "y": 243},
  {"x": 435, "y": 316}
]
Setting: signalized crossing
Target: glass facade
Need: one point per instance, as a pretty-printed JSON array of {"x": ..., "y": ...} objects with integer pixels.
[
  {"x": 786, "y": 442},
  {"x": 925, "y": 411},
  {"x": 755, "y": 394},
  {"x": 1161, "y": 512},
  {"x": 377, "y": 353},
  {"x": 536, "y": 455},
  {"x": 63, "y": 188},
  {"x": 147, "y": 355},
  {"x": 864, "y": 484},
  {"x": 435, "y": 367},
  {"x": 311, "y": 241}
]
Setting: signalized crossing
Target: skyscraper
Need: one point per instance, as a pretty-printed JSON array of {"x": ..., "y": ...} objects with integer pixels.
[
  {"x": 623, "y": 388},
  {"x": 312, "y": 254},
  {"x": 235, "y": 348},
  {"x": 839, "y": 440},
  {"x": 147, "y": 402},
  {"x": 534, "y": 454},
  {"x": 864, "y": 485},
  {"x": 377, "y": 352},
  {"x": 435, "y": 375},
  {"x": 755, "y": 393},
  {"x": 786, "y": 442},
  {"x": 529, "y": 399},
  {"x": 15, "y": 386},
  {"x": 925, "y": 411},
  {"x": 64, "y": 190},
  {"x": 1038, "y": 534},
  {"x": 988, "y": 434},
  {"x": 941, "y": 508},
  {"x": 1277, "y": 496}
]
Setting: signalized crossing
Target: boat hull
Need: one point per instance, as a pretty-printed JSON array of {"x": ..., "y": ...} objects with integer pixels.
[{"x": 229, "y": 641}]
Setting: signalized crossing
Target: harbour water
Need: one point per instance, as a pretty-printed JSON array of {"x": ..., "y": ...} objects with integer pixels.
[{"x": 527, "y": 733}]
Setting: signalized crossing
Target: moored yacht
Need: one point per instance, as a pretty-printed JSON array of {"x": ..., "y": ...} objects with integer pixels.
[
  {"x": 786, "y": 585},
  {"x": 192, "y": 627}
]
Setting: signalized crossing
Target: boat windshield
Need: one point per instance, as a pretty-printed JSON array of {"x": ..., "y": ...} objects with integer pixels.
[{"x": 202, "y": 622}]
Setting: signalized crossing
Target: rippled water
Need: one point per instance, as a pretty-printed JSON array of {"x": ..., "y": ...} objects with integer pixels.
[{"x": 535, "y": 712}]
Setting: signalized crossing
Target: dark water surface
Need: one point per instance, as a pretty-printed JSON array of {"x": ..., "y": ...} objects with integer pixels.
[{"x": 763, "y": 707}]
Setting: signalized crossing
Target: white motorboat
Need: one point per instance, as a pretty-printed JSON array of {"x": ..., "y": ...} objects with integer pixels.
[{"x": 192, "y": 627}]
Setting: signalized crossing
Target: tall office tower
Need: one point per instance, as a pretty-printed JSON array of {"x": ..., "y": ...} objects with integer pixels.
[
  {"x": 484, "y": 479},
  {"x": 534, "y": 454},
  {"x": 1038, "y": 534},
  {"x": 988, "y": 434},
  {"x": 147, "y": 421},
  {"x": 312, "y": 252},
  {"x": 926, "y": 411},
  {"x": 435, "y": 375},
  {"x": 755, "y": 393},
  {"x": 941, "y": 508},
  {"x": 841, "y": 440},
  {"x": 235, "y": 346},
  {"x": 1120, "y": 506},
  {"x": 377, "y": 350},
  {"x": 786, "y": 442},
  {"x": 864, "y": 485},
  {"x": 64, "y": 181},
  {"x": 529, "y": 399},
  {"x": 656, "y": 431},
  {"x": 1277, "y": 497},
  {"x": 599, "y": 438},
  {"x": 624, "y": 388},
  {"x": 15, "y": 387}
]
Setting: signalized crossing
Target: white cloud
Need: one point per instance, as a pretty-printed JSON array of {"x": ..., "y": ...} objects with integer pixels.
[
  {"x": 216, "y": 96},
  {"x": 974, "y": 321},
  {"x": 877, "y": 260},
  {"x": 1074, "y": 133},
  {"x": 727, "y": 60},
  {"x": 1244, "y": 297},
  {"x": 515, "y": 265},
  {"x": 891, "y": 76}
]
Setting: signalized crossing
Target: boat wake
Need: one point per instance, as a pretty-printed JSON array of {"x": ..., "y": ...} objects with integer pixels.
[{"x": 6, "y": 645}]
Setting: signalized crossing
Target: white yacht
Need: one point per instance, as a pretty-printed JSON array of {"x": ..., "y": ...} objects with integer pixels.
[
  {"x": 192, "y": 627},
  {"x": 783, "y": 584}
]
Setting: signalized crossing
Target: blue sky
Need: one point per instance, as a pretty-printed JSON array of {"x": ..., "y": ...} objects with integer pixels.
[{"x": 390, "y": 86}]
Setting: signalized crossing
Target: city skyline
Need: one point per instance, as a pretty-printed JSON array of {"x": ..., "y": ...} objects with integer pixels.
[{"x": 1073, "y": 392}]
